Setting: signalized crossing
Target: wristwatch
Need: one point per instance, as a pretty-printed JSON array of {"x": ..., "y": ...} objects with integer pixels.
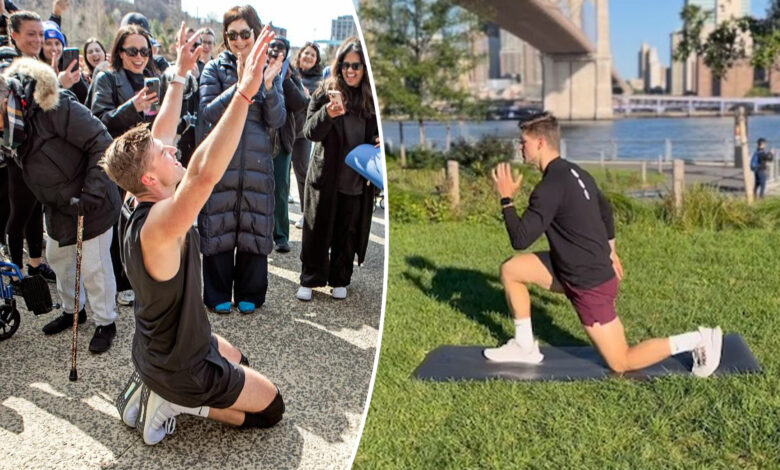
[
  {"x": 506, "y": 201},
  {"x": 179, "y": 79}
]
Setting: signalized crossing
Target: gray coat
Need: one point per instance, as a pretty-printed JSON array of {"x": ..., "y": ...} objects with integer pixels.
[{"x": 239, "y": 213}]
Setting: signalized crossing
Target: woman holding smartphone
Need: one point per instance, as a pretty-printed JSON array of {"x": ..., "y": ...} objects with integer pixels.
[
  {"x": 68, "y": 74},
  {"x": 236, "y": 224},
  {"x": 338, "y": 201},
  {"x": 122, "y": 101}
]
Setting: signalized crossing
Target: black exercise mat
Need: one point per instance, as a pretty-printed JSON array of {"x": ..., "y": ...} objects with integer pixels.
[{"x": 453, "y": 363}]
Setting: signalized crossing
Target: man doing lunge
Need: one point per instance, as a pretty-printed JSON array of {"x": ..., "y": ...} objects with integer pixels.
[
  {"x": 183, "y": 367},
  {"x": 582, "y": 263}
]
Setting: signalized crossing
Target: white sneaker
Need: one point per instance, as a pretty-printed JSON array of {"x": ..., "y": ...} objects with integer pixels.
[
  {"x": 156, "y": 418},
  {"x": 299, "y": 223},
  {"x": 129, "y": 400},
  {"x": 290, "y": 199},
  {"x": 125, "y": 297},
  {"x": 304, "y": 293},
  {"x": 512, "y": 352},
  {"x": 339, "y": 293},
  {"x": 706, "y": 356}
]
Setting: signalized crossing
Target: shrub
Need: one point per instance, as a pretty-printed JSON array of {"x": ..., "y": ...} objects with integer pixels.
[
  {"x": 482, "y": 155},
  {"x": 705, "y": 208}
]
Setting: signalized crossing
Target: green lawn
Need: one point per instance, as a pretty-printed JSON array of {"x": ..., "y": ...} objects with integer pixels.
[{"x": 443, "y": 289}]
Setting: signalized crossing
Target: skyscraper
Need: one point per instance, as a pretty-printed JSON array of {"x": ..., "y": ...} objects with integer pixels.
[{"x": 342, "y": 27}]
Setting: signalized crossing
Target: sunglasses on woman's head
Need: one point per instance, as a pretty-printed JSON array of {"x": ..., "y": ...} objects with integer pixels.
[
  {"x": 134, "y": 51},
  {"x": 352, "y": 65},
  {"x": 244, "y": 33}
]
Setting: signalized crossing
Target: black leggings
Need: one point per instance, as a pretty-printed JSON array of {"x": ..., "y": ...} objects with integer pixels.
[{"x": 25, "y": 219}]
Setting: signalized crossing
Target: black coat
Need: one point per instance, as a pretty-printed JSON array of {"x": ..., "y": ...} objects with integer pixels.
[
  {"x": 60, "y": 157},
  {"x": 239, "y": 214},
  {"x": 110, "y": 103},
  {"x": 322, "y": 179},
  {"x": 295, "y": 102},
  {"x": 311, "y": 81}
]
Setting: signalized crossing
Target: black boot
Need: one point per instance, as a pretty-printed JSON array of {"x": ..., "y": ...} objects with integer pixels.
[
  {"x": 63, "y": 322},
  {"x": 102, "y": 338}
]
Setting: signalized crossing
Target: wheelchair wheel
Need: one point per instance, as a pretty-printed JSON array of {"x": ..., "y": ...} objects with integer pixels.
[{"x": 9, "y": 321}]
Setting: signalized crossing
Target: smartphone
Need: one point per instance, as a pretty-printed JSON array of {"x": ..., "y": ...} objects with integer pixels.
[
  {"x": 285, "y": 66},
  {"x": 153, "y": 86},
  {"x": 335, "y": 97},
  {"x": 69, "y": 54}
]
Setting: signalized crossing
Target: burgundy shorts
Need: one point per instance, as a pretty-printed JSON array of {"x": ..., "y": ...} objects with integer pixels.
[{"x": 593, "y": 305}]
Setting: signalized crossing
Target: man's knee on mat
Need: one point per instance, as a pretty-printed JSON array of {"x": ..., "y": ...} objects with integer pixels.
[{"x": 268, "y": 417}]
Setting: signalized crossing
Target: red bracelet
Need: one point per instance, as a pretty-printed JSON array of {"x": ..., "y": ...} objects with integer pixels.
[{"x": 244, "y": 96}]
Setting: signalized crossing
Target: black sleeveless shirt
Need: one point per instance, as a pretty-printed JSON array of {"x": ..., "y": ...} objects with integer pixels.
[{"x": 172, "y": 330}]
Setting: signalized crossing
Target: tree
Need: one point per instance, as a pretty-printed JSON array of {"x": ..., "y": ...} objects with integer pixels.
[
  {"x": 727, "y": 43},
  {"x": 420, "y": 50}
]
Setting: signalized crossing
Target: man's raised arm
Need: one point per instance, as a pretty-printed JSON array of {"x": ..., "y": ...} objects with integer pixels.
[
  {"x": 164, "y": 127},
  {"x": 172, "y": 217}
]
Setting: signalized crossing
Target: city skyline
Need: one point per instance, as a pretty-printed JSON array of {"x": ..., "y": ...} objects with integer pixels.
[{"x": 633, "y": 22}]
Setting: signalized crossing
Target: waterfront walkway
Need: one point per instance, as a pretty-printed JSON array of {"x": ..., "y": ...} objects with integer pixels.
[{"x": 725, "y": 178}]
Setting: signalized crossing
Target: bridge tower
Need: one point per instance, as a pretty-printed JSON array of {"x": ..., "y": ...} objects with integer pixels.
[{"x": 579, "y": 86}]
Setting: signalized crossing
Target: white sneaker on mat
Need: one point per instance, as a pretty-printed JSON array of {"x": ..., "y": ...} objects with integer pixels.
[
  {"x": 339, "y": 293},
  {"x": 512, "y": 352},
  {"x": 706, "y": 356},
  {"x": 299, "y": 223},
  {"x": 304, "y": 293}
]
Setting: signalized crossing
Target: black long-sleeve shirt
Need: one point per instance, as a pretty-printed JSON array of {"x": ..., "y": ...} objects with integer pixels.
[{"x": 568, "y": 207}]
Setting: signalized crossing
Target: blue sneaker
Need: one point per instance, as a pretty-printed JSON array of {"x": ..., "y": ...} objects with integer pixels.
[
  {"x": 246, "y": 307},
  {"x": 223, "y": 308}
]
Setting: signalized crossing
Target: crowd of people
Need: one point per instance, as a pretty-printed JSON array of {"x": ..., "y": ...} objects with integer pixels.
[{"x": 142, "y": 149}]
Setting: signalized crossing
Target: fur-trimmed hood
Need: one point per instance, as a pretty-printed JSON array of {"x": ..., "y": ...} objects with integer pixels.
[{"x": 40, "y": 78}]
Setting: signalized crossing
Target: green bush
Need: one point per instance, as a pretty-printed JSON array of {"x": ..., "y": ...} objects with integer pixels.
[
  {"x": 418, "y": 157},
  {"x": 704, "y": 208},
  {"x": 482, "y": 155}
]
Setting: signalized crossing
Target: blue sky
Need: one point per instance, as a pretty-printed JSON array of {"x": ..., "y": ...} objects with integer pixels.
[
  {"x": 305, "y": 20},
  {"x": 633, "y": 21}
]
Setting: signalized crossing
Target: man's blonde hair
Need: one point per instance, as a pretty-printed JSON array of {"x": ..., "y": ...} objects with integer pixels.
[
  {"x": 543, "y": 125},
  {"x": 128, "y": 157}
]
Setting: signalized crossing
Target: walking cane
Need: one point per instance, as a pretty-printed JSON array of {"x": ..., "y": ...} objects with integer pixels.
[{"x": 79, "y": 235}]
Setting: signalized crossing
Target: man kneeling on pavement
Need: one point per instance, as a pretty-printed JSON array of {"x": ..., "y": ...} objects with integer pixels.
[{"x": 58, "y": 142}]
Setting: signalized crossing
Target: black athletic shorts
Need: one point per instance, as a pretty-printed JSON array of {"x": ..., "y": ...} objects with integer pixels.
[{"x": 214, "y": 382}]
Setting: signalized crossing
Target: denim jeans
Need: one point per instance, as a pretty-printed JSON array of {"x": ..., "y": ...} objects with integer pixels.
[{"x": 758, "y": 190}]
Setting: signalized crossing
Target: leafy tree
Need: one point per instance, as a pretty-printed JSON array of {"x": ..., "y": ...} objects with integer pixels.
[
  {"x": 420, "y": 50},
  {"x": 727, "y": 44}
]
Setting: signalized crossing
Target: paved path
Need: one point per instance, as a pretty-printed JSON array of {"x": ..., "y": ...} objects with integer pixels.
[
  {"x": 725, "y": 178},
  {"x": 320, "y": 353}
]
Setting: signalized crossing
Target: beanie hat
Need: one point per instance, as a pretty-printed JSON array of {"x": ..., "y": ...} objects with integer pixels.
[{"x": 52, "y": 31}]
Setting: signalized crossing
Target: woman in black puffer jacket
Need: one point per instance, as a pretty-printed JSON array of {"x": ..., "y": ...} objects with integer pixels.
[{"x": 236, "y": 224}]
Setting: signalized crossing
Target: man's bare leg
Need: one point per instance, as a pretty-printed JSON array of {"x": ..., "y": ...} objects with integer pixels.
[
  {"x": 610, "y": 341},
  {"x": 227, "y": 350},
  {"x": 516, "y": 273},
  {"x": 257, "y": 394}
]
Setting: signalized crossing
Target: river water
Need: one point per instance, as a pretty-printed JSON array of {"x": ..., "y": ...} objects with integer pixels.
[{"x": 699, "y": 138}]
